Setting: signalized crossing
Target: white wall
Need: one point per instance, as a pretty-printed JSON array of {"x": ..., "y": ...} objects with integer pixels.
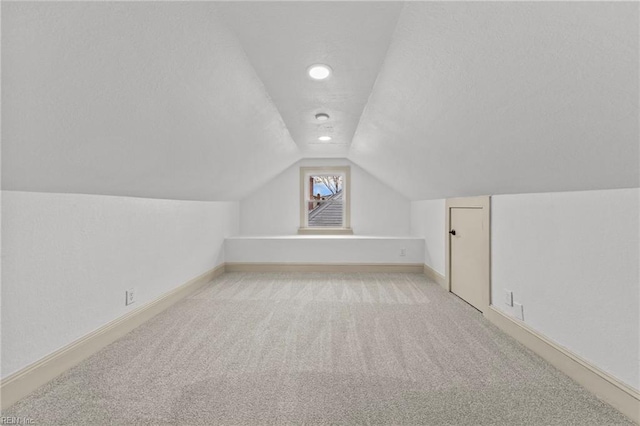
[
  {"x": 324, "y": 249},
  {"x": 428, "y": 222},
  {"x": 572, "y": 259},
  {"x": 274, "y": 209},
  {"x": 68, "y": 259}
]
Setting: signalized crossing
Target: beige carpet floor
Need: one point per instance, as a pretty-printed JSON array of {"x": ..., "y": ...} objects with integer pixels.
[{"x": 289, "y": 348}]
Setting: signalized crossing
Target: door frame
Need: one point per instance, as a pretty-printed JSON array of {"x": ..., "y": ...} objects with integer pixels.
[{"x": 483, "y": 203}]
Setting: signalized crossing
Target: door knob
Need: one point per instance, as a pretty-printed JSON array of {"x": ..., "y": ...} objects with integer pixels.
[{"x": 452, "y": 232}]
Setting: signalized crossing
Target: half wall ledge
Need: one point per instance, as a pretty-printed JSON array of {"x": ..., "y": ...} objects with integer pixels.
[{"x": 319, "y": 252}]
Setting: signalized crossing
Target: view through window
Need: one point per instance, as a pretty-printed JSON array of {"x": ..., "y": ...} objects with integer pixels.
[
  {"x": 325, "y": 208},
  {"x": 325, "y": 200}
]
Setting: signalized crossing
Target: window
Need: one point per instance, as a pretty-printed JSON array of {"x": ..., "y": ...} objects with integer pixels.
[{"x": 325, "y": 200}]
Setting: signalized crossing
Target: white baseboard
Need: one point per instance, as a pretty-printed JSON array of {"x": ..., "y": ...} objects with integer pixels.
[
  {"x": 30, "y": 378},
  {"x": 620, "y": 396},
  {"x": 435, "y": 276},
  {"x": 323, "y": 267}
]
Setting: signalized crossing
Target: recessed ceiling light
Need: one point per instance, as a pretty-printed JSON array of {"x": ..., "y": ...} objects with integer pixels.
[
  {"x": 324, "y": 138},
  {"x": 322, "y": 116},
  {"x": 319, "y": 71}
]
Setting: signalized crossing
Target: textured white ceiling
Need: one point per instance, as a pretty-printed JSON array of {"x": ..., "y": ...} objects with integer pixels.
[
  {"x": 282, "y": 39},
  {"x": 205, "y": 100},
  {"x": 150, "y": 99},
  {"x": 505, "y": 97}
]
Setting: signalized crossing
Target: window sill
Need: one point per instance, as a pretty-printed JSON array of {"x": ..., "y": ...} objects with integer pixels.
[{"x": 325, "y": 231}]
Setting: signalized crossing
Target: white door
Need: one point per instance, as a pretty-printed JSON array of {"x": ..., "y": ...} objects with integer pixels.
[{"x": 467, "y": 254}]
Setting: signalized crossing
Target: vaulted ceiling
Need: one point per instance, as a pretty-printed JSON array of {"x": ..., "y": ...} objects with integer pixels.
[
  {"x": 148, "y": 99},
  {"x": 282, "y": 40},
  {"x": 506, "y": 97},
  {"x": 207, "y": 100}
]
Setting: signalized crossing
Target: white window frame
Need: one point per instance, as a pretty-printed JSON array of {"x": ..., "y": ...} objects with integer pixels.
[{"x": 305, "y": 197}]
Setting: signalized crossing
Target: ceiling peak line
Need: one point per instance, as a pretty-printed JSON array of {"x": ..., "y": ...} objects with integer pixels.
[
  {"x": 375, "y": 83},
  {"x": 282, "y": 40}
]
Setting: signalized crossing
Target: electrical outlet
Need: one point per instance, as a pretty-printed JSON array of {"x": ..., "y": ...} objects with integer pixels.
[
  {"x": 518, "y": 311},
  {"x": 130, "y": 296},
  {"x": 508, "y": 297},
  {"x": 403, "y": 252}
]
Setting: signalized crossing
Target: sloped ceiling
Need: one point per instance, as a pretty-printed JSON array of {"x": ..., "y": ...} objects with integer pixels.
[
  {"x": 150, "y": 99},
  {"x": 207, "y": 100},
  {"x": 505, "y": 97}
]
